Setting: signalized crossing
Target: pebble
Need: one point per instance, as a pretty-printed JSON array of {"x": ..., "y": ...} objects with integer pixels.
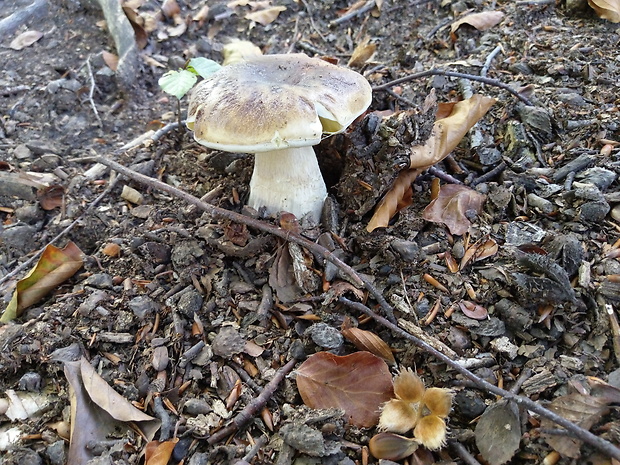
[
  {"x": 190, "y": 303},
  {"x": 504, "y": 346},
  {"x": 408, "y": 250},
  {"x": 156, "y": 252},
  {"x": 228, "y": 342},
  {"x": 520, "y": 232},
  {"x": 46, "y": 162},
  {"x": 469, "y": 403},
  {"x": 197, "y": 406},
  {"x": 30, "y": 381},
  {"x": 16, "y": 189},
  {"x": 100, "y": 281},
  {"x": 56, "y": 453},
  {"x": 20, "y": 238},
  {"x": 39, "y": 147},
  {"x": 600, "y": 177},
  {"x": 325, "y": 336},
  {"x": 160, "y": 358},
  {"x": 594, "y": 212},
  {"x": 29, "y": 214},
  {"x": 142, "y": 306},
  {"x": 22, "y": 152},
  {"x": 304, "y": 438}
]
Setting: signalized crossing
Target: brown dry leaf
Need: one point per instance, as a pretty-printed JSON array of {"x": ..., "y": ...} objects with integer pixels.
[
  {"x": 498, "y": 432},
  {"x": 369, "y": 341},
  {"x": 449, "y": 131},
  {"x": 137, "y": 23},
  {"x": 159, "y": 453},
  {"x": 170, "y": 8},
  {"x": 358, "y": 384},
  {"x": 398, "y": 197},
  {"x": 481, "y": 21},
  {"x": 111, "y": 60},
  {"x": 390, "y": 446},
  {"x": 338, "y": 288},
  {"x": 53, "y": 268},
  {"x": 51, "y": 197},
  {"x": 25, "y": 39},
  {"x": 451, "y": 206},
  {"x": 606, "y": 9},
  {"x": 472, "y": 310},
  {"x": 484, "y": 248},
  {"x": 239, "y": 50},
  {"x": 581, "y": 409},
  {"x": 266, "y": 16},
  {"x": 362, "y": 53}
]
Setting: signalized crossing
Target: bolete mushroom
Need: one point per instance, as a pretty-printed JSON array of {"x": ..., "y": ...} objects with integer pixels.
[{"x": 278, "y": 107}]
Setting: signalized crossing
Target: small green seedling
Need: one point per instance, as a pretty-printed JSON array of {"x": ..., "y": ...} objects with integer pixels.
[{"x": 179, "y": 83}]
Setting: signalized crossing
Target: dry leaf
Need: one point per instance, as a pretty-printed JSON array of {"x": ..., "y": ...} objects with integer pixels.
[
  {"x": 53, "y": 268},
  {"x": 362, "y": 53},
  {"x": 581, "y": 409},
  {"x": 266, "y": 16},
  {"x": 111, "y": 60},
  {"x": 452, "y": 205},
  {"x": 159, "y": 453},
  {"x": 397, "y": 198},
  {"x": 170, "y": 8},
  {"x": 449, "y": 131},
  {"x": 481, "y": 21},
  {"x": 472, "y": 310},
  {"x": 239, "y": 50},
  {"x": 484, "y": 248},
  {"x": 51, "y": 197},
  {"x": 369, "y": 341},
  {"x": 25, "y": 39},
  {"x": 498, "y": 432},
  {"x": 606, "y": 9},
  {"x": 358, "y": 384}
]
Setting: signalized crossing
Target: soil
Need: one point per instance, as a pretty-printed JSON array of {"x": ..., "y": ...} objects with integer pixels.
[{"x": 180, "y": 277}]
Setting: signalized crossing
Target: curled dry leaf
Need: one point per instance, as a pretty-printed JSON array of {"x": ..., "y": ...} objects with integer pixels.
[
  {"x": 266, "y": 16},
  {"x": 369, "y": 341},
  {"x": 51, "y": 197},
  {"x": 449, "y": 131},
  {"x": 358, "y": 384},
  {"x": 481, "y": 21},
  {"x": 397, "y": 198},
  {"x": 472, "y": 310},
  {"x": 484, "y": 248},
  {"x": 53, "y": 268},
  {"x": 25, "y": 39},
  {"x": 111, "y": 60},
  {"x": 362, "y": 53},
  {"x": 159, "y": 453},
  {"x": 606, "y": 9},
  {"x": 452, "y": 205}
]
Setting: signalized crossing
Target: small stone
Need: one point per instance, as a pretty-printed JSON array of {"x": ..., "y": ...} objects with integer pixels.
[
  {"x": 39, "y": 147},
  {"x": 142, "y": 306},
  {"x": 156, "y": 252},
  {"x": 196, "y": 406},
  {"x": 142, "y": 211},
  {"x": 408, "y": 250},
  {"x": 160, "y": 358},
  {"x": 46, "y": 162},
  {"x": 304, "y": 438},
  {"x": 594, "y": 212},
  {"x": 56, "y": 453},
  {"x": 89, "y": 304},
  {"x": 190, "y": 303},
  {"x": 132, "y": 195},
  {"x": 489, "y": 156},
  {"x": 504, "y": 346},
  {"x": 572, "y": 99},
  {"x": 19, "y": 238},
  {"x": 325, "y": 336},
  {"x": 228, "y": 342},
  {"x": 469, "y": 403},
  {"x": 100, "y": 281},
  {"x": 31, "y": 381},
  {"x": 29, "y": 214},
  {"x": 22, "y": 152},
  {"x": 600, "y": 177},
  {"x": 520, "y": 232}
]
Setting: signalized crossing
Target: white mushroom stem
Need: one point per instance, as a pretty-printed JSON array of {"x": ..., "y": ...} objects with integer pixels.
[{"x": 288, "y": 180}]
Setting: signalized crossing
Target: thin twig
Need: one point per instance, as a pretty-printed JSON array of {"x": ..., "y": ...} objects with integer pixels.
[
  {"x": 580, "y": 433},
  {"x": 61, "y": 234},
  {"x": 463, "y": 453},
  {"x": 441, "y": 72},
  {"x": 356, "y": 278},
  {"x": 443, "y": 175},
  {"x": 489, "y": 60},
  {"x": 250, "y": 410},
  {"x": 370, "y": 4},
  {"x": 489, "y": 174},
  {"x": 91, "y": 93}
]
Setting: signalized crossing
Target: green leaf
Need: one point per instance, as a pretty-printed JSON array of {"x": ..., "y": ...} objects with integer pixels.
[
  {"x": 177, "y": 83},
  {"x": 203, "y": 66}
]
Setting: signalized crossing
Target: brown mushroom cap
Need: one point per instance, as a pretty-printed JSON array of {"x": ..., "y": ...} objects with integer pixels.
[{"x": 275, "y": 101}]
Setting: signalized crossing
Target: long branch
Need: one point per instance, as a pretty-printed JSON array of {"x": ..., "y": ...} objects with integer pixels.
[{"x": 577, "y": 431}]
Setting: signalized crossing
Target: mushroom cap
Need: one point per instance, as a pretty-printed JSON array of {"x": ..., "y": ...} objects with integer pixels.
[{"x": 275, "y": 101}]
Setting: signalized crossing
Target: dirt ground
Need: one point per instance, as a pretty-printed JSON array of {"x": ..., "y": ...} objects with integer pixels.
[{"x": 549, "y": 172}]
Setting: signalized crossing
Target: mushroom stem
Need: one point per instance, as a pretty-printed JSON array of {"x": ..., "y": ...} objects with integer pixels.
[{"x": 288, "y": 180}]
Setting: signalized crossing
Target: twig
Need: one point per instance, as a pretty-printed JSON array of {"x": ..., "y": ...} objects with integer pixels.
[
  {"x": 370, "y": 4},
  {"x": 92, "y": 92},
  {"x": 441, "y": 72},
  {"x": 356, "y": 278},
  {"x": 11, "y": 23},
  {"x": 489, "y": 174},
  {"x": 250, "y": 410},
  {"x": 463, "y": 453},
  {"x": 489, "y": 60},
  {"x": 62, "y": 233},
  {"x": 443, "y": 175},
  {"x": 580, "y": 433}
]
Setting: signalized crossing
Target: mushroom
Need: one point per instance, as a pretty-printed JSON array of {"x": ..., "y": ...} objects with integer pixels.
[{"x": 278, "y": 107}]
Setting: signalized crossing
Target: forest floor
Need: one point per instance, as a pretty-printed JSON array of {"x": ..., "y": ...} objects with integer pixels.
[{"x": 175, "y": 306}]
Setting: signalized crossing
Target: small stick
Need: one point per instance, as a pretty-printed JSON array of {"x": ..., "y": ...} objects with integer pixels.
[
  {"x": 578, "y": 432},
  {"x": 92, "y": 92},
  {"x": 489, "y": 60},
  {"x": 489, "y": 174},
  {"x": 370, "y": 4},
  {"x": 253, "y": 407},
  {"x": 441, "y": 72},
  {"x": 443, "y": 175},
  {"x": 463, "y": 453}
]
